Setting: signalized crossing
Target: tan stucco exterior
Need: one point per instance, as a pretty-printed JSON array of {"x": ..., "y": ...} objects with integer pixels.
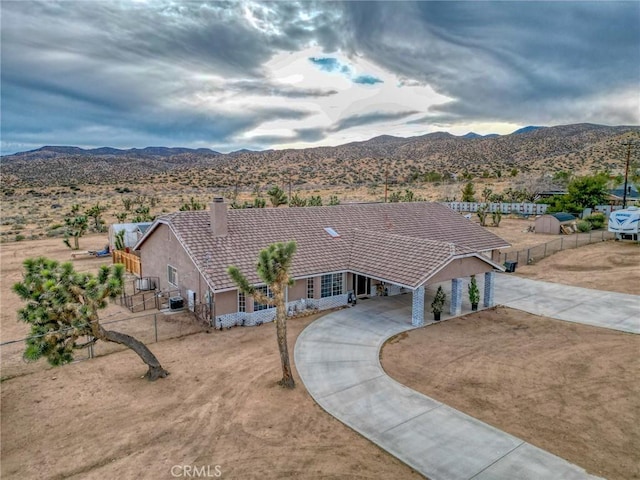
[
  {"x": 298, "y": 290},
  {"x": 461, "y": 268},
  {"x": 162, "y": 249},
  {"x": 227, "y": 302}
]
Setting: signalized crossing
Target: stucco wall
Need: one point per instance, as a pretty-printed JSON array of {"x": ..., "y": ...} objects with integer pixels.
[
  {"x": 349, "y": 285},
  {"x": 227, "y": 302},
  {"x": 162, "y": 249},
  {"x": 461, "y": 268},
  {"x": 298, "y": 290}
]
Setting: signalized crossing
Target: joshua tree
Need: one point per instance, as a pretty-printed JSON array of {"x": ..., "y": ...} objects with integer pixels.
[
  {"x": 273, "y": 269},
  {"x": 315, "y": 201},
  {"x": 119, "y": 236},
  {"x": 193, "y": 204},
  {"x": 468, "y": 193},
  {"x": 76, "y": 227},
  {"x": 334, "y": 200},
  {"x": 297, "y": 201},
  {"x": 277, "y": 196},
  {"x": 143, "y": 214},
  {"x": 62, "y": 306},
  {"x": 496, "y": 217},
  {"x": 95, "y": 212}
]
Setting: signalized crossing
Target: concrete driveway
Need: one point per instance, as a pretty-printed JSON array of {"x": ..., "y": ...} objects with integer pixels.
[
  {"x": 337, "y": 358},
  {"x": 617, "y": 311}
]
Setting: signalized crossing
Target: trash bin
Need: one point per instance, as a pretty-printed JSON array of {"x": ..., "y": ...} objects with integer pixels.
[{"x": 510, "y": 267}]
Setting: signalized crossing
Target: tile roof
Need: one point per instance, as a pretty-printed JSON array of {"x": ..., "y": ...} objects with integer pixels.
[{"x": 398, "y": 242}]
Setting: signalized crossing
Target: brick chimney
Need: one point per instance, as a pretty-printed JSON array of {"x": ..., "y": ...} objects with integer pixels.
[{"x": 218, "y": 215}]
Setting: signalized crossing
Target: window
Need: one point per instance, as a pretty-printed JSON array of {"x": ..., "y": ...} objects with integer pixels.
[
  {"x": 265, "y": 290},
  {"x": 242, "y": 302},
  {"x": 309, "y": 287},
  {"x": 172, "y": 275},
  {"x": 331, "y": 285}
]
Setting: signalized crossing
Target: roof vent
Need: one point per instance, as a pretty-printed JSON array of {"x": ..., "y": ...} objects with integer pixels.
[{"x": 331, "y": 232}]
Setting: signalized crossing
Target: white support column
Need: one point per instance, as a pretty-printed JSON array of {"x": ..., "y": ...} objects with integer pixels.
[
  {"x": 488, "y": 288},
  {"x": 456, "y": 296},
  {"x": 417, "y": 307}
]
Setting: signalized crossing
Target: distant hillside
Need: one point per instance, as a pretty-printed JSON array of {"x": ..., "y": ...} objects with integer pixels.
[
  {"x": 51, "y": 151},
  {"x": 528, "y": 129},
  {"x": 579, "y": 147}
]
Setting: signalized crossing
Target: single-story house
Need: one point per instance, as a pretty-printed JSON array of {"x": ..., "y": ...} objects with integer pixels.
[
  {"x": 551, "y": 222},
  {"x": 343, "y": 252}
]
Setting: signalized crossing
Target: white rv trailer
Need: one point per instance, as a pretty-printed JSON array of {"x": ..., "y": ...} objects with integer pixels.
[{"x": 625, "y": 223}]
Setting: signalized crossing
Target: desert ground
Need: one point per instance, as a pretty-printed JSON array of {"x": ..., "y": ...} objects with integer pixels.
[
  {"x": 221, "y": 405},
  {"x": 567, "y": 388}
]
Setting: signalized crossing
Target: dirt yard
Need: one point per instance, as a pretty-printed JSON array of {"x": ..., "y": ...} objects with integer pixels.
[
  {"x": 611, "y": 265},
  {"x": 221, "y": 406},
  {"x": 567, "y": 388}
]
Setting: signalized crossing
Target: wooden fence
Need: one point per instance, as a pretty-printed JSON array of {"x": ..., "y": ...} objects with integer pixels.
[{"x": 130, "y": 261}]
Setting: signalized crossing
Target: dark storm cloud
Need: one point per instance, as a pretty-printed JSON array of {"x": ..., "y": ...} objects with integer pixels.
[
  {"x": 319, "y": 133},
  {"x": 506, "y": 61},
  {"x": 263, "y": 87},
  {"x": 137, "y": 73},
  {"x": 369, "y": 118}
]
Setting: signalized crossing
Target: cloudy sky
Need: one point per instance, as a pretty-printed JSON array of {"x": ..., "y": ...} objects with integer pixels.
[{"x": 231, "y": 75}]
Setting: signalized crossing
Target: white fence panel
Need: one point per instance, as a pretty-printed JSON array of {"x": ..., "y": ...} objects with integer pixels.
[{"x": 519, "y": 208}]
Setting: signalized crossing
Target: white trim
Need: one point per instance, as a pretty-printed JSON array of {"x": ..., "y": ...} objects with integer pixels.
[
  {"x": 175, "y": 275},
  {"x": 385, "y": 280},
  {"x": 460, "y": 257}
]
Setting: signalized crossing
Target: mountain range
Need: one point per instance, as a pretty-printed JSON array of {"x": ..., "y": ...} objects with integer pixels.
[{"x": 539, "y": 149}]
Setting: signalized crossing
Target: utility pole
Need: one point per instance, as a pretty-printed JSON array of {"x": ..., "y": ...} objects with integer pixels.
[
  {"x": 626, "y": 174},
  {"x": 386, "y": 182},
  {"x": 289, "y": 172}
]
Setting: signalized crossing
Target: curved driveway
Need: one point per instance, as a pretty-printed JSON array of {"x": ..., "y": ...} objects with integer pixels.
[{"x": 337, "y": 358}]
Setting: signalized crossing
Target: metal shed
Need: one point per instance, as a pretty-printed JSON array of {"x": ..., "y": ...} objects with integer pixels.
[
  {"x": 133, "y": 233},
  {"x": 551, "y": 223}
]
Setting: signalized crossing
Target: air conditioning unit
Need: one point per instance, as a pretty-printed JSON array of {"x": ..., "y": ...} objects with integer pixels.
[
  {"x": 176, "y": 303},
  {"x": 145, "y": 284}
]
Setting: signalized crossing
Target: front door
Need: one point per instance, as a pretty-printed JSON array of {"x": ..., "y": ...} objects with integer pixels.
[{"x": 363, "y": 285}]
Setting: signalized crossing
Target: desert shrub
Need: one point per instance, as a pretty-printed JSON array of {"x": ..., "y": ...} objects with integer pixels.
[
  {"x": 584, "y": 226},
  {"x": 596, "y": 220},
  {"x": 19, "y": 238}
]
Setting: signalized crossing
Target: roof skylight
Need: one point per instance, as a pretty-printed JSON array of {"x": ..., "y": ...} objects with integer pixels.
[{"x": 331, "y": 232}]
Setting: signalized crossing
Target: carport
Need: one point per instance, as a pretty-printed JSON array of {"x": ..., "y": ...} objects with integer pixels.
[{"x": 409, "y": 264}]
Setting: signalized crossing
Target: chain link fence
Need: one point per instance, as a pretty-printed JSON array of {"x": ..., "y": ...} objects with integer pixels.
[
  {"x": 538, "y": 252},
  {"x": 149, "y": 329}
]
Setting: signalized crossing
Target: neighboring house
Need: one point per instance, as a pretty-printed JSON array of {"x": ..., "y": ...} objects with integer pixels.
[
  {"x": 343, "y": 252},
  {"x": 133, "y": 233},
  {"x": 550, "y": 223},
  {"x": 616, "y": 196}
]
